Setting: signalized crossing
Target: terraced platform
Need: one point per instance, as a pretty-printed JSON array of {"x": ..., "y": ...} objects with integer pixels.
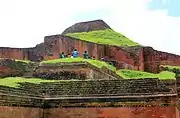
[
  {"x": 82, "y": 92},
  {"x": 76, "y": 70},
  {"x": 81, "y": 84},
  {"x": 90, "y": 88}
]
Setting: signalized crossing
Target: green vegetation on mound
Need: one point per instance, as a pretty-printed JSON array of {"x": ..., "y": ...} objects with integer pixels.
[
  {"x": 96, "y": 63},
  {"x": 13, "y": 81},
  {"x": 126, "y": 74},
  {"x": 132, "y": 74},
  {"x": 108, "y": 37},
  {"x": 63, "y": 60},
  {"x": 171, "y": 68}
]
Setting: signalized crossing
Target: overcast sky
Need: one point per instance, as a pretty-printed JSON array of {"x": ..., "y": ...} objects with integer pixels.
[{"x": 156, "y": 23}]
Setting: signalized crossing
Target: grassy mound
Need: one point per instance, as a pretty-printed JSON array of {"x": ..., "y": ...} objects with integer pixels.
[
  {"x": 132, "y": 74},
  {"x": 96, "y": 63},
  {"x": 108, "y": 37},
  {"x": 14, "y": 81}
]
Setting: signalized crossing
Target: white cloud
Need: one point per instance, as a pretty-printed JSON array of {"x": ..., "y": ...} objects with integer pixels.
[
  {"x": 154, "y": 28},
  {"x": 24, "y": 23}
]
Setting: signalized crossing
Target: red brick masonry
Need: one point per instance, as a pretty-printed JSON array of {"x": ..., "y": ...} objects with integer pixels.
[{"x": 131, "y": 112}]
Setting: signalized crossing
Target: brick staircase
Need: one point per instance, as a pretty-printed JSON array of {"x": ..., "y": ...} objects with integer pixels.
[
  {"x": 84, "y": 92},
  {"x": 89, "y": 88},
  {"x": 18, "y": 91},
  {"x": 15, "y": 100}
]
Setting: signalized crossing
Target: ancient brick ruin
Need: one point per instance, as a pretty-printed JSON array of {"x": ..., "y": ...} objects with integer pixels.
[
  {"x": 139, "y": 58},
  {"x": 90, "y": 92}
]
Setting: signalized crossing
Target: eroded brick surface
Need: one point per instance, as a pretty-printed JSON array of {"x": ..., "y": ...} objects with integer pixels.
[
  {"x": 153, "y": 59},
  {"x": 139, "y": 58},
  {"x": 10, "y": 67},
  {"x": 20, "y": 112},
  {"x": 132, "y": 112}
]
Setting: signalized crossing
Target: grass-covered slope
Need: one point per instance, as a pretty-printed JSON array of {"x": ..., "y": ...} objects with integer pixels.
[
  {"x": 107, "y": 36},
  {"x": 126, "y": 74},
  {"x": 96, "y": 63},
  {"x": 132, "y": 74},
  {"x": 171, "y": 68},
  {"x": 14, "y": 81}
]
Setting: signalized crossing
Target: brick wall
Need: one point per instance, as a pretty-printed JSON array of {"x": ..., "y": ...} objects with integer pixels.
[
  {"x": 17, "y": 53},
  {"x": 20, "y": 112},
  {"x": 125, "y": 57},
  {"x": 10, "y": 67},
  {"x": 153, "y": 59},
  {"x": 130, "y": 112},
  {"x": 138, "y": 58}
]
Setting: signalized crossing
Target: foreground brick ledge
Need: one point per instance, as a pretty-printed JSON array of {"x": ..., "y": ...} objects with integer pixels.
[{"x": 53, "y": 98}]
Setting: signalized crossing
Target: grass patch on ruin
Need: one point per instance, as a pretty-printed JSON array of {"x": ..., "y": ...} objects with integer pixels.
[
  {"x": 96, "y": 63},
  {"x": 132, "y": 74},
  {"x": 101, "y": 64},
  {"x": 24, "y": 61},
  {"x": 63, "y": 60},
  {"x": 107, "y": 37},
  {"x": 171, "y": 68},
  {"x": 124, "y": 73},
  {"x": 14, "y": 81}
]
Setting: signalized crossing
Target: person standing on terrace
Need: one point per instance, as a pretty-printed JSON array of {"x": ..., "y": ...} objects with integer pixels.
[
  {"x": 75, "y": 53},
  {"x": 62, "y": 55},
  {"x": 85, "y": 55},
  {"x": 93, "y": 57},
  {"x": 69, "y": 55}
]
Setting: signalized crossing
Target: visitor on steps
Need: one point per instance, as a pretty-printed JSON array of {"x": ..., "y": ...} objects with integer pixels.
[
  {"x": 85, "y": 55},
  {"x": 93, "y": 57},
  {"x": 75, "y": 53},
  {"x": 69, "y": 55},
  {"x": 62, "y": 55}
]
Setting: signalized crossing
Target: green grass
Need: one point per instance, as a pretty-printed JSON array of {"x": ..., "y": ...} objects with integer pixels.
[
  {"x": 166, "y": 75},
  {"x": 25, "y": 61},
  {"x": 63, "y": 60},
  {"x": 126, "y": 74},
  {"x": 132, "y": 74},
  {"x": 108, "y": 37},
  {"x": 96, "y": 63},
  {"x": 101, "y": 64},
  {"x": 171, "y": 68},
  {"x": 14, "y": 81}
]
